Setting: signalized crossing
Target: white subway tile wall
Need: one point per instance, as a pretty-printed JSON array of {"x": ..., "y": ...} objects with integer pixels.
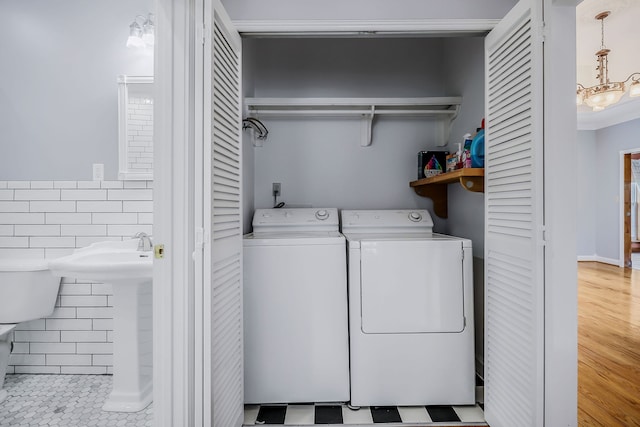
[
  {"x": 49, "y": 219},
  {"x": 140, "y": 137}
]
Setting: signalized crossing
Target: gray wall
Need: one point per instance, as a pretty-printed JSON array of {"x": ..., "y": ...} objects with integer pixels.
[
  {"x": 366, "y": 9},
  {"x": 586, "y": 179},
  {"x": 368, "y": 67},
  {"x": 320, "y": 161},
  {"x": 248, "y": 66},
  {"x": 58, "y": 99},
  {"x": 465, "y": 75},
  {"x": 609, "y": 142}
]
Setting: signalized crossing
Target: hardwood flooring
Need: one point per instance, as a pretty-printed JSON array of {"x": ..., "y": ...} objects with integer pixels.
[{"x": 608, "y": 345}]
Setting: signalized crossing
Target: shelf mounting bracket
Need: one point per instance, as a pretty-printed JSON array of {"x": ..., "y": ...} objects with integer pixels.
[
  {"x": 443, "y": 128},
  {"x": 366, "y": 125}
]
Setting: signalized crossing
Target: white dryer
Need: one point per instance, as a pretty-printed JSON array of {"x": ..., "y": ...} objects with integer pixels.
[
  {"x": 410, "y": 311},
  {"x": 296, "y": 342}
]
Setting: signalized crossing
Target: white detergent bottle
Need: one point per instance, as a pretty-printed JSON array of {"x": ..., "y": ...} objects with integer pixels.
[{"x": 459, "y": 156}]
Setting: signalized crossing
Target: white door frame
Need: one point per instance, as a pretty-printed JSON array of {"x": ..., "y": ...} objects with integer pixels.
[
  {"x": 179, "y": 355},
  {"x": 560, "y": 305},
  {"x": 621, "y": 204},
  {"x": 176, "y": 130},
  {"x": 174, "y": 354},
  {"x": 324, "y": 27}
]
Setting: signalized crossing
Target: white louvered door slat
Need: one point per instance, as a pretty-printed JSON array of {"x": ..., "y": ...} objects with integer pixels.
[
  {"x": 514, "y": 248},
  {"x": 223, "y": 341}
]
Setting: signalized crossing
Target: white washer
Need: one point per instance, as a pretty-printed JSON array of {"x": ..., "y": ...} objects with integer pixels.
[
  {"x": 296, "y": 342},
  {"x": 410, "y": 311}
]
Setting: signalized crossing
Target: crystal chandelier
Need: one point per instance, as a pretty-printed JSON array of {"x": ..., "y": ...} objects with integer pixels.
[{"x": 606, "y": 93}]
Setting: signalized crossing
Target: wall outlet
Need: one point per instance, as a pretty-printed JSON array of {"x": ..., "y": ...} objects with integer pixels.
[
  {"x": 275, "y": 189},
  {"x": 98, "y": 172}
]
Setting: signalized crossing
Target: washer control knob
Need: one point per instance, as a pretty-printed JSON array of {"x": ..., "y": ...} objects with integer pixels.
[
  {"x": 287, "y": 214},
  {"x": 322, "y": 214},
  {"x": 415, "y": 216},
  {"x": 266, "y": 215}
]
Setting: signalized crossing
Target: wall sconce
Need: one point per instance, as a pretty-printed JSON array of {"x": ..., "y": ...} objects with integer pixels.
[{"x": 142, "y": 32}]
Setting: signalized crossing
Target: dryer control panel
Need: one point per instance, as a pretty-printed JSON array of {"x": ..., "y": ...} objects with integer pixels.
[
  {"x": 298, "y": 219},
  {"x": 386, "y": 221}
]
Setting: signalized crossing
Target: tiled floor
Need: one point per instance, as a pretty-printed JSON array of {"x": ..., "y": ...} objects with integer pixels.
[
  {"x": 64, "y": 401},
  {"x": 76, "y": 400},
  {"x": 341, "y": 415}
]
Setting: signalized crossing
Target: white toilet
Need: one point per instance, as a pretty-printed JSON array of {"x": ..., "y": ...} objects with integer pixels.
[{"x": 28, "y": 291}]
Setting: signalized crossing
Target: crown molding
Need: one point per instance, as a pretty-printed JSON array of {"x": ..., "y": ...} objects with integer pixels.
[
  {"x": 571, "y": 3},
  {"x": 616, "y": 114},
  {"x": 438, "y": 27}
]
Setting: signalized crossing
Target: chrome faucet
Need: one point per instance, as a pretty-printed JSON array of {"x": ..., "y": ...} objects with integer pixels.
[{"x": 145, "y": 241}]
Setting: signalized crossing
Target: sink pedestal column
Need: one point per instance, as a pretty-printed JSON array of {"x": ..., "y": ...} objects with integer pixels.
[{"x": 132, "y": 346}]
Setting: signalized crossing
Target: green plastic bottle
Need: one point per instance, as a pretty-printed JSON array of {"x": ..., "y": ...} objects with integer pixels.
[{"x": 477, "y": 149}]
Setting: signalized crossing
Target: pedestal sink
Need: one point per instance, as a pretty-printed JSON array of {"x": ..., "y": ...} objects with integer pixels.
[{"x": 129, "y": 271}]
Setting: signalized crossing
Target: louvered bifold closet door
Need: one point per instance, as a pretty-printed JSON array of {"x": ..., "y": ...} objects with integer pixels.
[
  {"x": 225, "y": 255},
  {"x": 514, "y": 270}
]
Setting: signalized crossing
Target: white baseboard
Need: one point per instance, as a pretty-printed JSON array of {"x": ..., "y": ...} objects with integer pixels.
[
  {"x": 597, "y": 258},
  {"x": 608, "y": 260}
]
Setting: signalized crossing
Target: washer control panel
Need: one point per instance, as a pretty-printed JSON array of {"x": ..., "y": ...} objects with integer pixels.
[
  {"x": 415, "y": 216},
  {"x": 322, "y": 214},
  {"x": 300, "y": 218}
]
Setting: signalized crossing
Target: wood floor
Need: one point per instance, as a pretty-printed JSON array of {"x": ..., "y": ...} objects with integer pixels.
[{"x": 608, "y": 345}]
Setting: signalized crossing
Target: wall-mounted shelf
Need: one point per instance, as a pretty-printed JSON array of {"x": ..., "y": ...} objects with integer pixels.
[
  {"x": 435, "y": 188},
  {"x": 443, "y": 109}
]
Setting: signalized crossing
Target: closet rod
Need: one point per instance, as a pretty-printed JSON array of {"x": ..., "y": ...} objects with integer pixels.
[
  {"x": 354, "y": 102},
  {"x": 323, "y": 112}
]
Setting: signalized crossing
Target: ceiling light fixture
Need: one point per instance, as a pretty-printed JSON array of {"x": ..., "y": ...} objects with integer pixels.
[
  {"x": 141, "y": 32},
  {"x": 605, "y": 93}
]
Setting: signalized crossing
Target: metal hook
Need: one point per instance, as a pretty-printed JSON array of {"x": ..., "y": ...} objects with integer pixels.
[{"x": 259, "y": 130}]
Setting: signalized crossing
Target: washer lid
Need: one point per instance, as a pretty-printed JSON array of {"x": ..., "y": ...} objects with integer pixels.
[
  {"x": 387, "y": 221},
  {"x": 298, "y": 219},
  {"x": 294, "y": 238}
]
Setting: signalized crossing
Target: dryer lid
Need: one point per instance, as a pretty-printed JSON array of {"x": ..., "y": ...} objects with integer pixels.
[
  {"x": 412, "y": 287},
  {"x": 387, "y": 221}
]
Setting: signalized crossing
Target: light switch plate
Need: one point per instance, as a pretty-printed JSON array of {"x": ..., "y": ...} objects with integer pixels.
[{"x": 98, "y": 172}]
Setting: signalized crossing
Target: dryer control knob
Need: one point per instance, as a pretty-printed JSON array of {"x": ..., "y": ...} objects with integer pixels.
[
  {"x": 322, "y": 214},
  {"x": 415, "y": 217}
]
